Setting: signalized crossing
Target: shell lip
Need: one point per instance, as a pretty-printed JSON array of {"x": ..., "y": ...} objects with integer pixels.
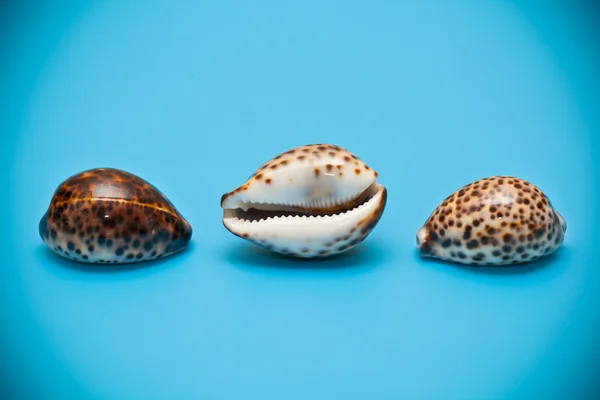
[
  {"x": 424, "y": 241},
  {"x": 261, "y": 212},
  {"x": 43, "y": 225},
  {"x": 562, "y": 221}
]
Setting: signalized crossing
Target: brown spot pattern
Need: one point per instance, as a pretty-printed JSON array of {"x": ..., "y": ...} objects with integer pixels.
[
  {"x": 492, "y": 224},
  {"x": 107, "y": 215},
  {"x": 322, "y": 156}
]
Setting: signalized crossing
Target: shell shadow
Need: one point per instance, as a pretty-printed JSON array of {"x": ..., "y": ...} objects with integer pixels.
[
  {"x": 46, "y": 255},
  {"x": 560, "y": 256},
  {"x": 366, "y": 255}
]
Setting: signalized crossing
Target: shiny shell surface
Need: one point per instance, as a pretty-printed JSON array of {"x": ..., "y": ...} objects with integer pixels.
[
  {"x": 499, "y": 220},
  {"x": 312, "y": 201},
  {"x": 107, "y": 215}
]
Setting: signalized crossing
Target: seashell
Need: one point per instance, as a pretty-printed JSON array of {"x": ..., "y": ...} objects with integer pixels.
[
  {"x": 106, "y": 215},
  {"x": 312, "y": 201},
  {"x": 494, "y": 221}
]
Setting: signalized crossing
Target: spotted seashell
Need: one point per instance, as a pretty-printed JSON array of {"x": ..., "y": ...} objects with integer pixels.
[
  {"x": 494, "y": 221},
  {"x": 312, "y": 201},
  {"x": 107, "y": 215}
]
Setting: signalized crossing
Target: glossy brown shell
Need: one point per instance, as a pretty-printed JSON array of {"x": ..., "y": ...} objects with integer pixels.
[{"x": 107, "y": 215}]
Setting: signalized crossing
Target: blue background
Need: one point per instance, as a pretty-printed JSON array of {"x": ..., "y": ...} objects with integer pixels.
[{"x": 194, "y": 96}]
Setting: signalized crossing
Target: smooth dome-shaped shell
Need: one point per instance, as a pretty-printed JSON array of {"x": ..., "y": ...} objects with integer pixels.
[
  {"x": 494, "y": 221},
  {"x": 312, "y": 201},
  {"x": 311, "y": 176},
  {"x": 106, "y": 215}
]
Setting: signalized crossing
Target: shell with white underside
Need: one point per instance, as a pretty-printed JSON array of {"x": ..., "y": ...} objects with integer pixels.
[
  {"x": 311, "y": 201},
  {"x": 499, "y": 220}
]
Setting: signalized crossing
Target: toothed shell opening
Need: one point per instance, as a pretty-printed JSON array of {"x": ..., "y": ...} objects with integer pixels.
[
  {"x": 232, "y": 214},
  {"x": 245, "y": 204}
]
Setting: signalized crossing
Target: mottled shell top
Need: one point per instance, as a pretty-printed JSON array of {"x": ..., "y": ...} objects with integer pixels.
[
  {"x": 497, "y": 220},
  {"x": 311, "y": 176},
  {"x": 109, "y": 215}
]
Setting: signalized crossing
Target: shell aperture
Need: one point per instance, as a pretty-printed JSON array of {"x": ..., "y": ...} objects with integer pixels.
[{"x": 312, "y": 201}]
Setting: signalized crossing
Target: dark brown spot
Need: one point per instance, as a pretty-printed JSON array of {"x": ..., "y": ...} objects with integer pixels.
[
  {"x": 520, "y": 249},
  {"x": 472, "y": 244},
  {"x": 343, "y": 247},
  {"x": 355, "y": 241},
  {"x": 479, "y": 257}
]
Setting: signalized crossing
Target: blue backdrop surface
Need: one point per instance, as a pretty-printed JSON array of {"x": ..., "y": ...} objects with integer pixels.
[{"x": 194, "y": 96}]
